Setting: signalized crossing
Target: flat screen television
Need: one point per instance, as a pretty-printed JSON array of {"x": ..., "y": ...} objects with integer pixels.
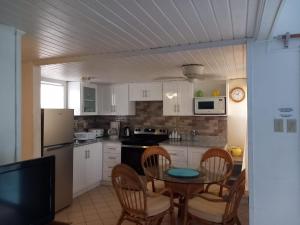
[{"x": 27, "y": 192}]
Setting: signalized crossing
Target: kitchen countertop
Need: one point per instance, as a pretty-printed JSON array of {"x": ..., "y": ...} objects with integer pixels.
[
  {"x": 199, "y": 141},
  {"x": 102, "y": 139}
]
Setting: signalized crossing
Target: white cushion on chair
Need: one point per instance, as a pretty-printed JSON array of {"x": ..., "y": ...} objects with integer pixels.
[
  {"x": 157, "y": 204},
  {"x": 158, "y": 184},
  {"x": 207, "y": 210}
]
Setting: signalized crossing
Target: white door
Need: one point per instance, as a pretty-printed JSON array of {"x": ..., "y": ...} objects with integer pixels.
[
  {"x": 185, "y": 98},
  {"x": 78, "y": 169},
  {"x": 153, "y": 91},
  {"x": 93, "y": 164},
  {"x": 170, "y": 94},
  {"x": 121, "y": 99},
  {"x": 89, "y": 104},
  {"x": 136, "y": 92},
  {"x": 106, "y": 100}
]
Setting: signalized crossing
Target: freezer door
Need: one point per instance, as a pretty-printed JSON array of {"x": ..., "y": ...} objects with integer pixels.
[
  {"x": 58, "y": 125},
  {"x": 63, "y": 174}
]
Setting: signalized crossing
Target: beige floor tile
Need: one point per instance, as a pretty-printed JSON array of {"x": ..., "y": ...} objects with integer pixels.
[{"x": 100, "y": 206}]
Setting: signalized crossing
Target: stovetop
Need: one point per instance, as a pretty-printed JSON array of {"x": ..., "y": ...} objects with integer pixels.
[{"x": 146, "y": 137}]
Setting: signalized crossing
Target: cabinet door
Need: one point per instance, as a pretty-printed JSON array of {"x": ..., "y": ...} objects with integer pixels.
[
  {"x": 106, "y": 100},
  {"x": 185, "y": 98},
  {"x": 121, "y": 100},
  {"x": 78, "y": 169},
  {"x": 89, "y": 99},
  {"x": 136, "y": 92},
  {"x": 153, "y": 91},
  {"x": 93, "y": 169},
  {"x": 170, "y": 98},
  {"x": 195, "y": 156}
]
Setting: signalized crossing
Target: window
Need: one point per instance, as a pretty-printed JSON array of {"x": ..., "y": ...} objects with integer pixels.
[{"x": 52, "y": 95}]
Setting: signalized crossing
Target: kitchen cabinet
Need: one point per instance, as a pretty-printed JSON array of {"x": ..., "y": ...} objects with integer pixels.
[
  {"x": 179, "y": 155},
  {"x": 82, "y": 98},
  {"x": 178, "y": 98},
  {"x": 151, "y": 91},
  {"x": 114, "y": 100},
  {"x": 87, "y": 167},
  {"x": 111, "y": 157},
  {"x": 195, "y": 156}
]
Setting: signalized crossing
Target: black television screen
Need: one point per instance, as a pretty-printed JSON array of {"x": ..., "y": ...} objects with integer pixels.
[{"x": 27, "y": 192}]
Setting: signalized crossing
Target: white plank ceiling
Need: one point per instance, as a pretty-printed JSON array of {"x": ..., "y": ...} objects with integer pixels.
[{"x": 67, "y": 28}]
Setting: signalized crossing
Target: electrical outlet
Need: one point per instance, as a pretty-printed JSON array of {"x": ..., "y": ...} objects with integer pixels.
[
  {"x": 291, "y": 125},
  {"x": 278, "y": 125}
]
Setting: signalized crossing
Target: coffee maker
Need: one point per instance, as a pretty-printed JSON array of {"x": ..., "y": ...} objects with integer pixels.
[{"x": 114, "y": 130}]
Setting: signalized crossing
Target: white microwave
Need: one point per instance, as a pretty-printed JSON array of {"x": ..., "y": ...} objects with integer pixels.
[{"x": 210, "y": 105}]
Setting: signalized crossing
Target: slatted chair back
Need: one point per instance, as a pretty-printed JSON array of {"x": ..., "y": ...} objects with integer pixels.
[
  {"x": 155, "y": 157},
  {"x": 130, "y": 189},
  {"x": 234, "y": 198},
  {"x": 217, "y": 161}
]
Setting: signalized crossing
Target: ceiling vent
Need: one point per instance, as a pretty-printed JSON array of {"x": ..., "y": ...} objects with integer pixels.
[{"x": 193, "y": 71}]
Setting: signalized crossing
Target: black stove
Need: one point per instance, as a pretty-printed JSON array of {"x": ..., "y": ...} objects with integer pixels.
[{"x": 134, "y": 146}]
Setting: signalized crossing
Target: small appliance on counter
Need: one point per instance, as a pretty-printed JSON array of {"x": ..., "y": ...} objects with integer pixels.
[
  {"x": 126, "y": 132},
  {"x": 99, "y": 131},
  {"x": 114, "y": 130},
  {"x": 84, "y": 136}
]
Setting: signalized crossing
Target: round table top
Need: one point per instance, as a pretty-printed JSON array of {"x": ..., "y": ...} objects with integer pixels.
[{"x": 205, "y": 176}]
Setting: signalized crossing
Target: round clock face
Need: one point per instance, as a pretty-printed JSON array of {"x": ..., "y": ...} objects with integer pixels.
[{"x": 237, "y": 94}]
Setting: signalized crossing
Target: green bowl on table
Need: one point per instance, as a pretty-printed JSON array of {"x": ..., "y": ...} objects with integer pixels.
[{"x": 183, "y": 172}]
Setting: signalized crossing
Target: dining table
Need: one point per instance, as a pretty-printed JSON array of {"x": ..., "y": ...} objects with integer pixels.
[{"x": 185, "y": 186}]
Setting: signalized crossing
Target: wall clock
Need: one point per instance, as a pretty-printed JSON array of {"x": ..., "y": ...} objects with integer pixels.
[{"x": 237, "y": 94}]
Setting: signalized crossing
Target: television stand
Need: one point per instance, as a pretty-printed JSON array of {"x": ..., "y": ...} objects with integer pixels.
[{"x": 58, "y": 223}]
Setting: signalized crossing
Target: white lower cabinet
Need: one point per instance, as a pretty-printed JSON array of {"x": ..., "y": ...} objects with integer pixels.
[
  {"x": 111, "y": 157},
  {"x": 185, "y": 156},
  {"x": 178, "y": 155},
  {"x": 195, "y": 156},
  {"x": 87, "y": 167}
]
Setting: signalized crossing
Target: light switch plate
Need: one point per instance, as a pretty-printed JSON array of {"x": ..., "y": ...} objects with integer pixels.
[
  {"x": 278, "y": 125},
  {"x": 291, "y": 125}
]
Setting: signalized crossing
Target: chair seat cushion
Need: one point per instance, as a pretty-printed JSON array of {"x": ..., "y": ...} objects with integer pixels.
[
  {"x": 158, "y": 184},
  {"x": 215, "y": 189},
  {"x": 157, "y": 204},
  {"x": 207, "y": 210}
]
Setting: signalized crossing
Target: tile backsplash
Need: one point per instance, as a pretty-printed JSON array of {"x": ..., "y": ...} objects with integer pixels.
[{"x": 150, "y": 114}]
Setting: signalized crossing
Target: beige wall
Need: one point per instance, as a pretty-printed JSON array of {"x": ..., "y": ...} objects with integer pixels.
[
  {"x": 30, "y": 111},
  {"x": 237, "y": 115}
]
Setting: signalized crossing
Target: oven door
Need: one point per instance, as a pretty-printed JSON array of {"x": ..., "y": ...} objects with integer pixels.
[{"x": 132, "y": 155}]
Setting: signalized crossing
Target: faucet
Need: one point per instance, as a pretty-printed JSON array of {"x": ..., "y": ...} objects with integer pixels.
[{"x": 194, "y": 133}]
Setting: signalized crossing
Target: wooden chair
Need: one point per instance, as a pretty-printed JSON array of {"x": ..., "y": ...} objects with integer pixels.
[
  {"x": 220, "y": 162},
  {"x": 208, "y": 209},
  {"x": 153, "y": 158},
  {"x": 140, "y": 206}
]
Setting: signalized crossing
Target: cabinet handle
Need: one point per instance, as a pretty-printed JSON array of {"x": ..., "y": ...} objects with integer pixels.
[
  {"x": 175, "y": 108},
  {"x": 85, "y": 155},
  {"x": 111, "y": 157},
  {"x": 178, "y": 109},
  {"x": 88, "y": 154},
  {"x": 146, "y": 93},
  {"x": 173, "y": 154}
]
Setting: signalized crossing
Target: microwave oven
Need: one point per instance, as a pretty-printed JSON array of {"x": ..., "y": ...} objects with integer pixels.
[{"x": 210, "y": 105}]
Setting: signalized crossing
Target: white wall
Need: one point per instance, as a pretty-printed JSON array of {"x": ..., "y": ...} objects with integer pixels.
[
  {"x": 10, "y": 88},
  {"x": 274, "y": 158},
  {"x": 237, "y": 115}
]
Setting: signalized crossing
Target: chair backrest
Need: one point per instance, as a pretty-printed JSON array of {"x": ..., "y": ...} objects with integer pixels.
[
  {"x": 130, "y": 189},
  {"x": 217, "y": 161},
  {"x": 234, "y": 198},
  {"x": 155, "y": 157}
]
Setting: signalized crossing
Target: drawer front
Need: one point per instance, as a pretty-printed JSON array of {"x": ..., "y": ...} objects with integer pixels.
[
  {"x": 112, "y": 148},
  {"x": 111, "y": 159},
  {"x": 176, "y": 155}
]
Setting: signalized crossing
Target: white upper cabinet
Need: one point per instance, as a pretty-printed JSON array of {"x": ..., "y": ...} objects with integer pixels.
[
  {"x": 151, "y": 91},
  {"x": 178, "y": 98},
  {"x": 82, "y": 98},
  {"x": 114, "y": 100}
]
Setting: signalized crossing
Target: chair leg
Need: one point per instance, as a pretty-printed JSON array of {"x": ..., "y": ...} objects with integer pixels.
[
  {"x": 159, "y": 220},
  {"x": 121, "y": 218},
  {"x": 172, "y": 217}
]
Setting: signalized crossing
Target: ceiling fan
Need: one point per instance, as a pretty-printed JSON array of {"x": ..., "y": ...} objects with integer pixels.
[{"x": 192, "y": 72}]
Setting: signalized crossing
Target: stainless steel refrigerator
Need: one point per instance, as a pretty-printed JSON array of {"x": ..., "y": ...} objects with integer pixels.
[{"x": 57, "y": 140}]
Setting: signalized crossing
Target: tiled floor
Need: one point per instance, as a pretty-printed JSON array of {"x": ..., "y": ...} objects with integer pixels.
[{"x": 100, "y": 206}]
